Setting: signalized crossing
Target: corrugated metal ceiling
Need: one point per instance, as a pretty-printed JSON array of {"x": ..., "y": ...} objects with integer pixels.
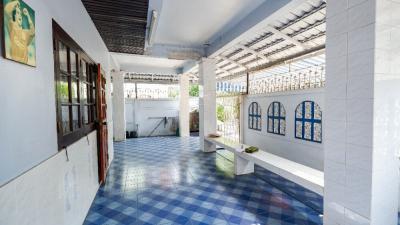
[{"x": 122, "y": 24}]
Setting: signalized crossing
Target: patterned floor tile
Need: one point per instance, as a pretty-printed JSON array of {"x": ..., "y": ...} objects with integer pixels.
[{"x": 168, "y": 180}]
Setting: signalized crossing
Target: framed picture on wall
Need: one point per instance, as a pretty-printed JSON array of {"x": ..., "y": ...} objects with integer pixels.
[{"x": 19, "y": 32}]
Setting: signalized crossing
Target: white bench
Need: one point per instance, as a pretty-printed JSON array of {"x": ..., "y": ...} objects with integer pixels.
[{"x": 305, "y": 176}]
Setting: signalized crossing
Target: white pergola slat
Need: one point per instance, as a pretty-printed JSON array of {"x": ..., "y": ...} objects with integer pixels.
[
  {"x": 301, "y": 30},
  {"x": 287, "y": 37},
  {"x": 252, "y": 51}
]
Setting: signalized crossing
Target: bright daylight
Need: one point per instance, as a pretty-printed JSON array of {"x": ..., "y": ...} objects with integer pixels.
[{"x": 200, "y": 112}]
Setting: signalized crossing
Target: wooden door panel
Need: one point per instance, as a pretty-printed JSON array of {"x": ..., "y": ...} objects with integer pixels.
[{"x": 102, "y": 125}]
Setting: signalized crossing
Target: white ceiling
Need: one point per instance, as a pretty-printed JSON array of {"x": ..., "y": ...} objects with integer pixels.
[
  {"x": 196, "y": 22},
  {"x": 146, "y": 64}
]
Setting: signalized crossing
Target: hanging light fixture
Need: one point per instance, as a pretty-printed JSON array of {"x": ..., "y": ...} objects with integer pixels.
[{"x": 153, "y": 27}]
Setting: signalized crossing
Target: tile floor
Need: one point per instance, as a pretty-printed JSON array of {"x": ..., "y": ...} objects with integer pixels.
[
  {"x": 309, "y": 198},
  {"x": 167, "y": 180}
]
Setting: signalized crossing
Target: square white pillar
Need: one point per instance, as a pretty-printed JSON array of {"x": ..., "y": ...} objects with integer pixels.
[
  {"x": 118, "y": 99},
  {"x": 184, "y": 105},
  {"x": 207, "y": 102},
  {"x": 243, "y": 166},
  {"x": 362, "y": 99}
]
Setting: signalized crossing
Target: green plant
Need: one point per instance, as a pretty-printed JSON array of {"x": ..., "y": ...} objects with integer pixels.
[
  {"x": 62, "y": 89},
  {"x": 220, "y": 113},
  {"x": 194, "y": 90},
  {"x": 173, "y": 93}
]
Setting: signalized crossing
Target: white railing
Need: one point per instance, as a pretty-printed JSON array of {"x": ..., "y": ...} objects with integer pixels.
[
  {"x": 299, "y": 80},
  {"x": 153, "y": 93}
]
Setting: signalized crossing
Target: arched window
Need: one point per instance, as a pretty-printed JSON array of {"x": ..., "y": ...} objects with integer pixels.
[
  {"x": 276, "y": 118},
  {"x": 254, "y": 116},
  {"x": 308, "y": 122}
]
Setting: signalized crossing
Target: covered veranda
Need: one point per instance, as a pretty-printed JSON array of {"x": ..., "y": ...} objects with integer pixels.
[{"x": 156, "y": 112}]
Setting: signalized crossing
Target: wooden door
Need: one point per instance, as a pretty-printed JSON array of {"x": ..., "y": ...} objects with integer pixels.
[{"x": 102, "y": 125}]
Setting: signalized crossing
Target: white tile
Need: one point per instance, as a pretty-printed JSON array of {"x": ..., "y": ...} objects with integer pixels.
[
  {"x": 335, "y": 109},
  {"x": 336, "y": 67},
  {"x": 335, "y": 150},
  {"x": 336, "y": 45},
  {"x": 352, "y": 218},
  {"x": 27, "y": 198},
  {"x": 335, "y": 171},
  {"x": 395, "y": 19},
  {"x": 334, "y": 193},
  {"x": 386, "y": 11},
  {"x": 358, "y": 190},
  {"x": 337, "y": 24},
  {"x": 385, "y": 157},
  {"x": 359, "y": 133},
  {"x": 334, "y": 130},
  {"x": 361, "y": 14},
  {"x": 361, "y": 86},
  {"x": 335, "y": 7},
  {"x": 38, "y": 196},
  {"x": 394, "y": 35},
  {"x": 360, "y": 63},
  {"x": 394, "y": 65},
  {"x": 359, "y": 157},
  {"x": 360, "y": 110},
  {"x": 333, "y": 212},
  {"x": 385, "y": 197},
  {"x": 8, "y": 208},
  {"x": 353, "y": 3},
  {"x": 336, "y": 77},
  {"x": 383, "y": 61},
  {"x": 330, "y": 221},
  {"x": 384, "y": 37},
  {"x": 361, "y": 39}
]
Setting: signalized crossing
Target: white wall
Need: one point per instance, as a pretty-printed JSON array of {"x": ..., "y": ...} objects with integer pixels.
[
  {"x": 28, "y": 141},
  {"x": 304, "y": 152},
  {"x": 56, "y": 192},
  {"x": 139, "y": 111}
]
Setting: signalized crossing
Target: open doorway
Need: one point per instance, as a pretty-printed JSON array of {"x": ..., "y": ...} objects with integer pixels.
[{"x": 151, "y": 109}]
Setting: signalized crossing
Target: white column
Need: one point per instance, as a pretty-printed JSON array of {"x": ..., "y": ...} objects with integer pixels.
[
  {"x": 118, "y": 106},
  {"x": 207, "y": 102},
  {"x": 242, "y": 118},
  {"x": 184, "y": 105},
  {"x": 362, "y": 117}
]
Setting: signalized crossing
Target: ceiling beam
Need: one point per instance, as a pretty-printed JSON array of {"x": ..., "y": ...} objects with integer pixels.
[
  {"x": 175, "y": 52},
  {"x": 225, "y": 71},
  {"x": 233, "y": 62},
  {"x": 286, "y": 37},
  {"x": 254, "y": 52},
  {"x": 148, "y": 69}
]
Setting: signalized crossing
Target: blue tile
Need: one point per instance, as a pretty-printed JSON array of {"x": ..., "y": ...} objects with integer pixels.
[{"x": 168, "y": 180}]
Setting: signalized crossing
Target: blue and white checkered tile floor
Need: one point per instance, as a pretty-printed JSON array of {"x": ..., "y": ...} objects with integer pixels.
[{"x": 168, "y": 180}]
